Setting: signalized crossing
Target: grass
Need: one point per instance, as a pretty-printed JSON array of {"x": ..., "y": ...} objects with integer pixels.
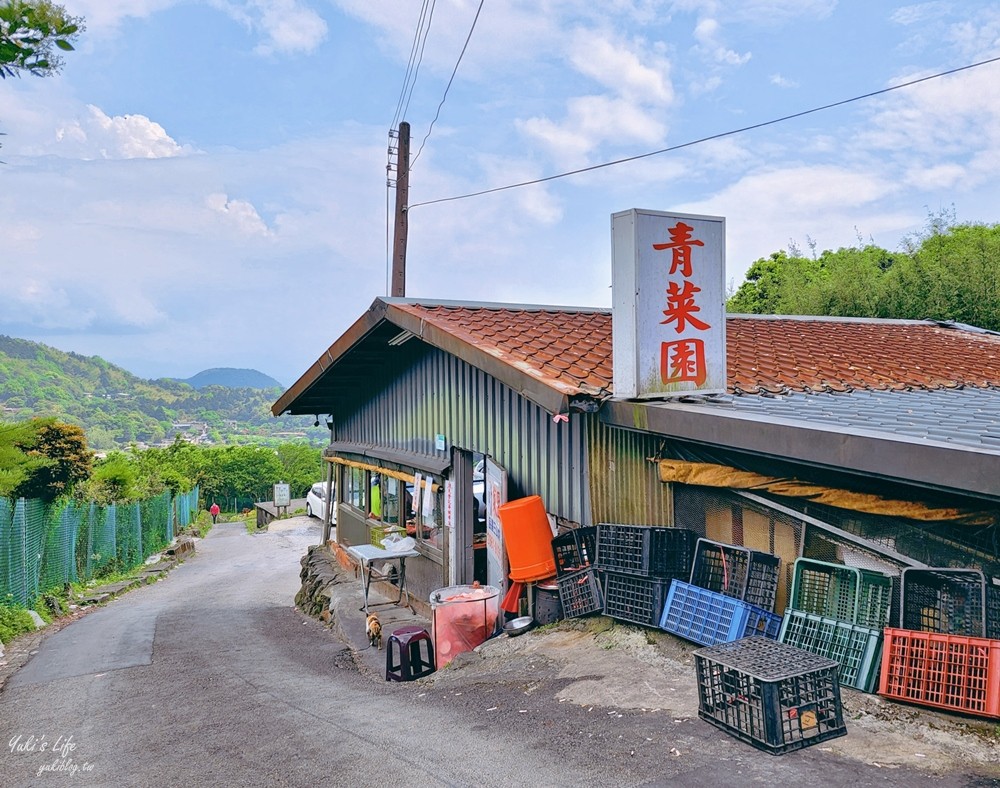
[{"x": 14, "y": 621}]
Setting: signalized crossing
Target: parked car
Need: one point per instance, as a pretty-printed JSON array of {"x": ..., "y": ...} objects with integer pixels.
[{"x": 316, "y": 502}]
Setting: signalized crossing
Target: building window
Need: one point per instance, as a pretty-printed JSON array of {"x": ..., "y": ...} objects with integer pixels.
[{"x": 354, "y": 489}]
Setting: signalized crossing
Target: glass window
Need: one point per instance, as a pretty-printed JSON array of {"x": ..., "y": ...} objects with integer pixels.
[
  {"x": 390, "y": 500},
  {"x": 355, "y": 488}
]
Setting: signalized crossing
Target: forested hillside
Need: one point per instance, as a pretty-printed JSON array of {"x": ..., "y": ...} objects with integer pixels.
[
  {"x": 116, "y": 408},
  {"x": 947, "y": 273}
]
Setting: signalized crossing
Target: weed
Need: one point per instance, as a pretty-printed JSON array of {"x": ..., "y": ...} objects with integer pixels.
[{"x": 14, "y": 621}]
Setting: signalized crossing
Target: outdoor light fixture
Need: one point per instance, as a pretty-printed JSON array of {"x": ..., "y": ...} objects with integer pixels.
[
  {"x": 329, "y": 422},
  {"x": 316, "y": 423},
  {"x": 401, "y": 337}
]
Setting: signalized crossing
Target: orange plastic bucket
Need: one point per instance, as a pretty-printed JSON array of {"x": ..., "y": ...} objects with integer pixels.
[{"x": 528, "y": 539}]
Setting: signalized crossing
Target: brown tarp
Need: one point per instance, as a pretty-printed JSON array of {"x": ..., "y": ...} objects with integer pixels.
[{"x": 711, "y": 475}]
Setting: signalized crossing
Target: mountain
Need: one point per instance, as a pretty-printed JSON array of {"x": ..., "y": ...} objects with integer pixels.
[
  {"x": 117, "y": 408},
  {"x": 233, "y": 379}
]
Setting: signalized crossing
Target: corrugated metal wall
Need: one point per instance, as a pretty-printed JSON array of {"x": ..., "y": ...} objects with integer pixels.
[
  {"x": 423, "y": 392},
  {"x": 625, "y": 486}
]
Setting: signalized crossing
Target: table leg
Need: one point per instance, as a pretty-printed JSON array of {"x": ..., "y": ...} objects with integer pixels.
[{"x": 366, "y": 581}]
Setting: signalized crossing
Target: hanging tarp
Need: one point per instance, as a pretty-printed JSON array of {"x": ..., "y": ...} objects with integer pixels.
[{"x": 711, "y": 475}]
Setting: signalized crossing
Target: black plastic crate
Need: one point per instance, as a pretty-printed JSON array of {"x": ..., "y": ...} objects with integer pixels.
[
  {"x": 947, "y": 601},
  {"x": 575, "y": 549},
  {"x": 639, "y": 600},
  {"x": 993, "y": 608},
  {"x": 774, "y": 696},
  {"x": 738, "y": 572},
  {"x": 649, "y": 551},
  {"x": 580, "y": 593}
]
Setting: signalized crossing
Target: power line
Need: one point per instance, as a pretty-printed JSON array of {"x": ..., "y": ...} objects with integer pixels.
[
  {"x": 420, "y": 59},
  {"x": 450, "y": 80},
  {"x": 709, "y": 138},
  {"x": 415, "y": 47}
]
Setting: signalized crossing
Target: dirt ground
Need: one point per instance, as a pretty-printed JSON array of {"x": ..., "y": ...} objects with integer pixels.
[{"x": 616, "y": 665}]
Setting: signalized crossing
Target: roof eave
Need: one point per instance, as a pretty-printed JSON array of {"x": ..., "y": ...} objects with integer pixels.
[
  {"x": 363, "y": 326},
  {"x": 552, "y": 398},
  {"x": 942, "y": 466}
]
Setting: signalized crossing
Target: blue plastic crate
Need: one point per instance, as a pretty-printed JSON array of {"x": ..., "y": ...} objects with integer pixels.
[{"x": 708, "y": 617}]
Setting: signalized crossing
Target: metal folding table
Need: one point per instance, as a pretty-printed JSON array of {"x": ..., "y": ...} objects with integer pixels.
[{"x": 367, "y": 555}]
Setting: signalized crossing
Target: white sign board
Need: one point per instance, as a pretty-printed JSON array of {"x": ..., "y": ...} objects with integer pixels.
[
  {"x": 669, "y": 304},
  {"x": 282, "y": 495},
  {"x": 496, "y": 554}
]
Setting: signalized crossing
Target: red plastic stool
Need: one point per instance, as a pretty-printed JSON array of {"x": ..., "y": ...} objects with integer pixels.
[{"x": 409, "y": 654}]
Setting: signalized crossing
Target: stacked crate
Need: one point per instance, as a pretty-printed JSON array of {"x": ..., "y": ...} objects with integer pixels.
[
  {"x": 730, "y": 596},
  {"x": 839, "y": 612},
  {"x": 947, "y": 653},
  {"x": 638, "y": 564},
  {"x": 579, "y": 589}
]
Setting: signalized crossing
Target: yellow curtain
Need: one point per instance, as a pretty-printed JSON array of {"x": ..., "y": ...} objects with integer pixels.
[
  {"x": 406, "y": 477},
  {"x": 711, "y": 475}
]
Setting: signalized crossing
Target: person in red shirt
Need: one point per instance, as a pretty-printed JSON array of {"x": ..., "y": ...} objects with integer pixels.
[{"x": 214, "y": 511}]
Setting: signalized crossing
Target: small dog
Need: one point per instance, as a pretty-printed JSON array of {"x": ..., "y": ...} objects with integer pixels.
[{"x": 374, "y": 629}]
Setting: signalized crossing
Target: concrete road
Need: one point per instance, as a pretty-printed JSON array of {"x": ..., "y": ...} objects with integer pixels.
[{"x": 211, "y": 677}]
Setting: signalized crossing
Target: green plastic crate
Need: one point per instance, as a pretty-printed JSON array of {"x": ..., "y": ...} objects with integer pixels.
[
  {"x": 856, "y": 648},
  {"x": 825, "y": 589}
]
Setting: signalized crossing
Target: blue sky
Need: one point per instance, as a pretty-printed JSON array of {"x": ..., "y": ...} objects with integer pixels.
[{"x": 204, "y": 184}]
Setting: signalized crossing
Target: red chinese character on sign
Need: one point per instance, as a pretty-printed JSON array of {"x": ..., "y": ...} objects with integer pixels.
[
  {"x": 683, "y": 360},
  {"x": 681, "y": 306},
  {"x": 681, "y": 243}
]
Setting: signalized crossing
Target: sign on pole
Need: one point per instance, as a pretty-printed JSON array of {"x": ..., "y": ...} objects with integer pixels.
[
  {"x": 282, "y": 496},
  {"x": 669, "y": 304}
]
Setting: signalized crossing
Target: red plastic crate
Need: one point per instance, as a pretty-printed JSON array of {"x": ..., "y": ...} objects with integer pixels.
[{"x": 950, "y": 672}]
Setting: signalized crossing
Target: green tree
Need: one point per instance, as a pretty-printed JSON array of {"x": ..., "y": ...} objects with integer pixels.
[
  {"x": 42, "y": 458},
  {"x": 302, "y": 466},
  {"x": 32, "y": 33}
]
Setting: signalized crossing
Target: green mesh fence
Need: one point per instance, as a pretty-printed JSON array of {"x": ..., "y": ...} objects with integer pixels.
[{"x": 44, "y": 546}]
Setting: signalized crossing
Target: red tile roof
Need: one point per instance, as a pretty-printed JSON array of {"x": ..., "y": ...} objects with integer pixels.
[{"x": 569, "y": 347}]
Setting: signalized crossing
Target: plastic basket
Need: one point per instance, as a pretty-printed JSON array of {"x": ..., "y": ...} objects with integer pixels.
[
  {"x": 377, "y": 534},
  {"x": 856, "y": 648},
  {"x": 580, "y": 593},
  {"x": 875, "y": 599},
  {"x": 708, "y": 617},
  {"x": 942, "y": 671},
  {"x": 639, "y": 600},
  {"x": 575, "y": 549},
  {"x": 947, "y": 601},
  {"x": 825, "y": 589},
  {"x": 993, "y": 609},
  {"x": 644, "y": 550},
  {"x": 737, "y": 572},
  {"x": 774, "y": 696}
]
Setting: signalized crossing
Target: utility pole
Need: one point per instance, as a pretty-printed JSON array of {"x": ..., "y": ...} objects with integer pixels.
[{"x": 402, "y": 196}]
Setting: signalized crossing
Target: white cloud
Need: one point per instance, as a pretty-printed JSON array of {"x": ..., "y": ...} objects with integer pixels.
[
  {"x": 105, "y": 16},
  {"x": 289, "y": 26},
  {"x": 591, "y": 121},
  {"x": 944, "y": 176},
  {"x": 95, "y": 135},
  {"x": 782, "y": 82},
  {"x": 240, "y": 213},
  {"x": 919, "y": 13},
  {"x": 618, "y": 66},
  {"x": 707, "y": 34}
]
